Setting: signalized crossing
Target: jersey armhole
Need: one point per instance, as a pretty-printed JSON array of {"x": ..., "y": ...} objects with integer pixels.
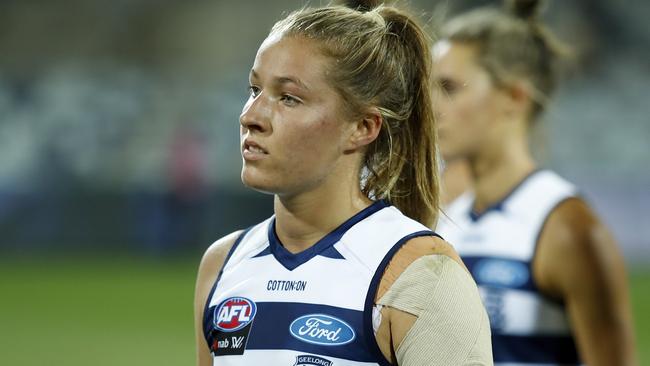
[
  {"x": 214, "y": 286},
  {"x": 371, "y": 340}
]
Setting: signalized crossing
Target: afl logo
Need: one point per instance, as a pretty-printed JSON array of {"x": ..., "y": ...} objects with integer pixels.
[
  {"x": 322, "y": 329},
  {"x": 234, "y": 313}
]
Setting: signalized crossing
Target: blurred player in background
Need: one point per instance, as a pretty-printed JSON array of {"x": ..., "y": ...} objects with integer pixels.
[
  {"x": 549, "y": 272},
  {"x": 339, "y": 128}
]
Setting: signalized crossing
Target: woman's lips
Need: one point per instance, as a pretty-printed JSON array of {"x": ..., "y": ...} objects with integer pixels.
[{"x": 252, "y": 150}]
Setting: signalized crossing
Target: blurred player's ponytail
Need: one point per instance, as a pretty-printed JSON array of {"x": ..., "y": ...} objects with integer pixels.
[
  {"x": 382, "y": 59},
  {"x": 513, "y": 44},
  {"x": 524, "y": 9},
  {"x": 361, "y": 5}
]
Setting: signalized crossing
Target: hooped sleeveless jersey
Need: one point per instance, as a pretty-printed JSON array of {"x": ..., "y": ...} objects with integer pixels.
[
  {"x": 498, "y": 247},
  {"x": 271, "y": 307}
]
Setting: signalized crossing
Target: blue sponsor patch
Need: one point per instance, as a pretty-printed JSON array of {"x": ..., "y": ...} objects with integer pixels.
[
  {"x": 500, "y": 272},
  {"x": 309, "y": 360},
  {"x": 322, "y": 329}
]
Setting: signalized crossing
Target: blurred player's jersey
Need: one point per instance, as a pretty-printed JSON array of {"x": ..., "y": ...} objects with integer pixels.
[
  {"x": 498, "y": 247},
  {"x": 272, "y": 307}
]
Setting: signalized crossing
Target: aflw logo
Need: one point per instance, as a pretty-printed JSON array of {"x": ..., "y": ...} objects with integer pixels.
[{"x": 234, "y": 313}]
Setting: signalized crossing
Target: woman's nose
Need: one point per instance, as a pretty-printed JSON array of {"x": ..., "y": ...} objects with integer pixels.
[{"x": 254, "y": 115}]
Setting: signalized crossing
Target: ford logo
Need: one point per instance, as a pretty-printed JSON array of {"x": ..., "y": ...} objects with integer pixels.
[
  {"x": 322, "y": 329},
  {"x": 501, "y": 272}
]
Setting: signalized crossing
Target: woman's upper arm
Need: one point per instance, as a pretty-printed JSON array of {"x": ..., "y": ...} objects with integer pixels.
[
  {"x": 578, "y": 261},
  {"x": 432, "y": 310},
  {"x": 211, "y": 264}
]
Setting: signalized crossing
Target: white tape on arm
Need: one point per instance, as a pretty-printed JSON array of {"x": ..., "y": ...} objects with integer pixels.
[{"x": 452, "y": 327}]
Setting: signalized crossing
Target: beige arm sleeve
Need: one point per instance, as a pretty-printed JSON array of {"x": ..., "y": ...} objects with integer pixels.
[{"x": 452, "y": 327}]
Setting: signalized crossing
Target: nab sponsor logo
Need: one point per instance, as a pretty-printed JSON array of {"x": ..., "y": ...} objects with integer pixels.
[
  {"x": 501, "y": 272},
  {"x": 234, "y": 313},
  {"x": 233, "y": 342},
  {"x": 322, "y": 329}
]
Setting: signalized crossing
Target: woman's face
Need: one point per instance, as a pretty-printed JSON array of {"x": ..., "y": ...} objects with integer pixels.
[
  {"x": 468, "y": 104},
  {"x": 292, "y": 127}
]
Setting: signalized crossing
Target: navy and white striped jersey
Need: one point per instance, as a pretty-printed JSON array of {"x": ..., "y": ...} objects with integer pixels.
[
  {"x": 271, "y": 307},
  {"x": 498, "y": 247}
]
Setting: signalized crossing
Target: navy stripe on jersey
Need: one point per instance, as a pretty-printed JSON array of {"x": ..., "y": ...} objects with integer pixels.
[
  {"x": 206, "y": 316},
  {"x": 292, "y": 261},
  {"x": 330, "y": 252},
  {"x": 559, "y": 350},
  {"x": 372, "y": 293},
  {"x": 501, "y": 272},
  {"x": 271, "y": 330}
]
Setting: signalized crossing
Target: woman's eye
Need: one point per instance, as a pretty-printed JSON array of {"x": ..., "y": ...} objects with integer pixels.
[
  {"x": 253, "y": 91},
  {"x": 289, "y": 100},
  {"x": 448, "y": 86}
]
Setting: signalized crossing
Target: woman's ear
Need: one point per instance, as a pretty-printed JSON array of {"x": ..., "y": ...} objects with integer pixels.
[
  {"x": 520, "y": 100},
  {"x": 365, "y": 130}
]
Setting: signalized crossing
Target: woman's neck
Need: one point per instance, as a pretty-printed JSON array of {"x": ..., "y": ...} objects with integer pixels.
[
  {"x": 303, "y": 219},
  {"x": 496, "y": 173}
]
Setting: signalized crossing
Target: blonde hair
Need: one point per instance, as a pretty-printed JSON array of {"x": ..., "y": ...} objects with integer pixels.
[
  {"x": 381, "y": 58},
  {"x": 512, "y": 43}
]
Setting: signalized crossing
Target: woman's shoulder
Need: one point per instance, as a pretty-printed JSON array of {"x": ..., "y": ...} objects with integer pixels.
[
  {"x": 215, "y": 256},
  {"x": 411, "y": 251},
  {"x": 219, "y": 251},
  {"x": 424, "y": 245},
  {"x": 570, "y": 223},
  {"x": 573, "y": 244}
]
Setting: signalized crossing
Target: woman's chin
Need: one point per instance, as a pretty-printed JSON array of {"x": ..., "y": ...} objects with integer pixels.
[{"x": 257, "y": 183}]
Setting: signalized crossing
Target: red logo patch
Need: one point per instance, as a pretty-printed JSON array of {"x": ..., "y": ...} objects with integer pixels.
[{"x": 234, "y": 313}]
